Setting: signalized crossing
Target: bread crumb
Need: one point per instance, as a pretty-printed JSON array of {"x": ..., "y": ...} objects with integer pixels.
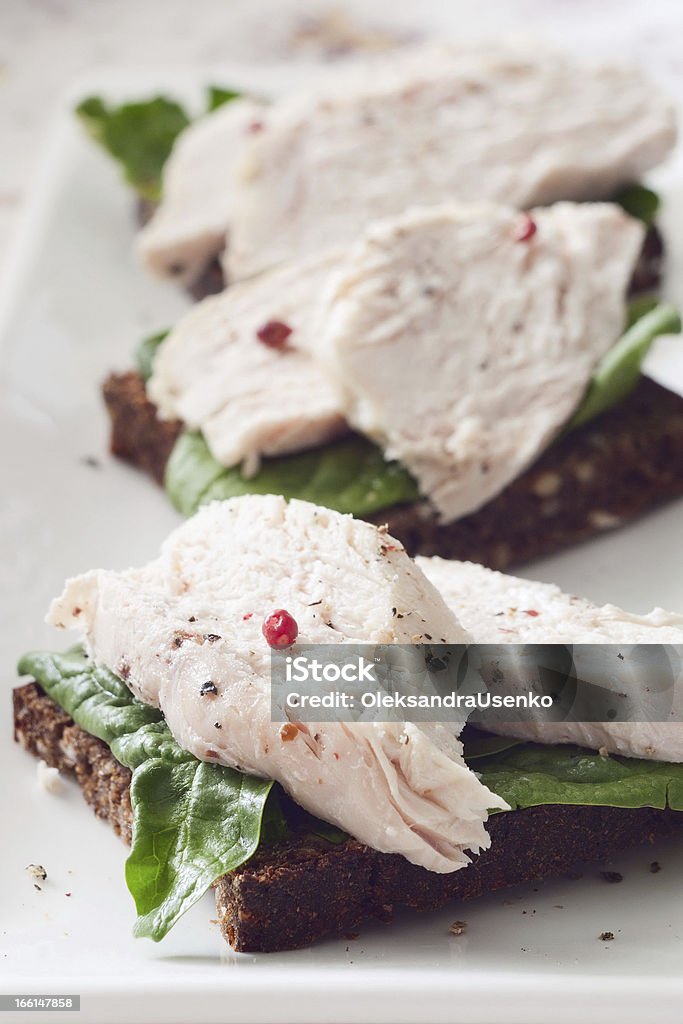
[
  {"x": 603, "y": 752},
  {"x": 37, "y": 871},
  {"x": 458, "y": 928},
  {"x": 49, "y": 779}
]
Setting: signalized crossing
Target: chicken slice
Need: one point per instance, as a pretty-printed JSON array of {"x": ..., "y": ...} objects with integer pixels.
[
  {"x": 237, "y": 368},
  {"x": 188, "y": 228},
  {"x": 516, "y": 124},
  {"x": 463, "y": 336},
  {"x": 195, "y": 614},
  {"x": 500, "y": 609}
]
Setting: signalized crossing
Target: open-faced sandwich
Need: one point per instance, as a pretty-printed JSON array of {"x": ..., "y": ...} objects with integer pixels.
[
  {"x": 257, "y": 182},
  {"x": 486, "y": 360},
  {"x": 418, "y": 330},
  {"x": 164, "y": 715}
]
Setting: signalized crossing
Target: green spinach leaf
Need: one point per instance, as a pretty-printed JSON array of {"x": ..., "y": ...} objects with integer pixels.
[
  {"x": 619, "y": 371},
  {"x": 138, "y": 135},
  {"x": 350, "y": 475},
  {"x": 192, "y": 821},
  {"x": 146, "y": 351},
  {"x": 218, "y": 96},
  {"x": 529, "y": 774},
  {"x": 639, "y": 201}
]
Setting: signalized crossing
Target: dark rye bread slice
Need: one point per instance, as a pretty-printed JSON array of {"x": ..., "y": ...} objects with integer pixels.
[
  {"x": 606, "y": 473},
  {"x": 291, "y": 894}
]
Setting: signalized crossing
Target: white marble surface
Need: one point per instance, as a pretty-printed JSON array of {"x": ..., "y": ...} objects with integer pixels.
[{"x": 46, "y": 44}]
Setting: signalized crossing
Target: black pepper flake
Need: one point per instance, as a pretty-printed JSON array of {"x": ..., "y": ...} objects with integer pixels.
[
  {"x": 606, "y": 936},
  {"x": 208, "y": 689},
  {"x": 212, "y": 637},
  {"x": 217, "y": 725},
  {"x": 612, "y": 876},
  {"x": 177, "y": 641},
  {"x": 655, "y": 867},
  {"x": 192, "y": 618}
]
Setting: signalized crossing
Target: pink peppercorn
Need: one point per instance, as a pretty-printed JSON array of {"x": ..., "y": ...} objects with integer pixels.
[{"x": 280, "y": 629}]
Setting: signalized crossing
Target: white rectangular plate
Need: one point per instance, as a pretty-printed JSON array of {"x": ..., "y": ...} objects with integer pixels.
[{"x": 75, "y": 308}]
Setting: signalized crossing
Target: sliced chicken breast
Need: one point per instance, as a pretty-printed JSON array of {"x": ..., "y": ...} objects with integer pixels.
[
  {"x": 185, "y": 634},
  {"x": 464, "y": 336},
  {"x": 188, "y": 228},
  {"x": 500, "y": 609},
  {"x": 516, "y": 124},
  {"x": 237, "y": 367}
]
